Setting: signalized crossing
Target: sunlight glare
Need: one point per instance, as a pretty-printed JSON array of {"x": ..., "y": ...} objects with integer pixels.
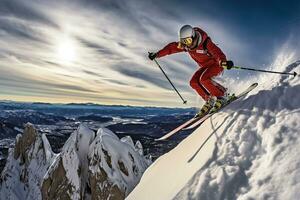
[{"x": 66, "y": 50}]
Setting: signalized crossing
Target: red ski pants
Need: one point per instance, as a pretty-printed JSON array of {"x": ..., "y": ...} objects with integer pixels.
[{"x": 204, "y": 85}]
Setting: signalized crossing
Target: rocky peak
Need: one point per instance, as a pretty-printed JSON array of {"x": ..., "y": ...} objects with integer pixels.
[
  {"x": 66, "y": 179},
  {"x": 94, "y": 166},
  {"x": 24, "y": 143},
  {"x": 90, "y": 166},
  {"x": 26, "y": 165},
  {"x": 115, "y": 166}
]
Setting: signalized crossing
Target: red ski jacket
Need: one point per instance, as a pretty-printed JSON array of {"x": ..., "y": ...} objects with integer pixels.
[{"x": 206, "y": 53}]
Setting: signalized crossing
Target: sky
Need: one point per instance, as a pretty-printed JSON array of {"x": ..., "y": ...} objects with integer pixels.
[{"x": 96, "y": 50}]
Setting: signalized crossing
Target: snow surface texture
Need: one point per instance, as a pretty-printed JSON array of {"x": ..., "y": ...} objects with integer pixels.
[{"x": 250, "y": 150}]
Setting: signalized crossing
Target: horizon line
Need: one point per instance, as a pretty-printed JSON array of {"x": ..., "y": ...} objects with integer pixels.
[{"x": 92, "y": 104}]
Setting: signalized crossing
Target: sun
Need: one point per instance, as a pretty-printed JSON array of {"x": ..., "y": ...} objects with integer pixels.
[{"x": 66, "y": 50}]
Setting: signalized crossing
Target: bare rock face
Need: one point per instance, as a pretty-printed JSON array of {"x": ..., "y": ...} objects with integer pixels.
[
  {"x": 94, "y": 166},
  {"x": 66, "y": 179},
  {"x": 24, "y": 143},
  {"x": 115, "y": 166},
  {"x": 26, "y": 165},
  {"x": 58, "y": 187}
]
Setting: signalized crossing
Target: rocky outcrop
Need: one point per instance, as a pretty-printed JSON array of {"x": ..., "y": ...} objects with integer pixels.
[
  {"x": 115, "y": 166},
  {"x": 94, "y": 166},
  {"x": 26, "y": 166},
  {"x": 90, "y": 166},
  {"x": 67, "y": 177}
]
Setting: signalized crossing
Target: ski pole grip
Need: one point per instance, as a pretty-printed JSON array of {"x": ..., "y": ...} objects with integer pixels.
[{"x": 236, "y": 67}]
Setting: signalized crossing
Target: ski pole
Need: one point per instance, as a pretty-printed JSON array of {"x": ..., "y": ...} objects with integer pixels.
[
  {"x": 267, "y": 71},
  {"x": 184, "y": 101}
]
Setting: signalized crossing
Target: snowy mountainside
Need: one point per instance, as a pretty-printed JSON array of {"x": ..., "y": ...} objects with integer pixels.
[
  {"x": 90, "y": 166},
  {"x": 247, "y": 151},
  {"x": 67, "y": 175},
  {"x": 26, "y": 166},
  {"x": 120, "y": 163}
]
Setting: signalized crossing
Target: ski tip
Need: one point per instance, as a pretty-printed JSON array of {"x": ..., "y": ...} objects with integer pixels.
[
  {"x": 254, "y": 85},
  {"x": 295, "y": 74}
]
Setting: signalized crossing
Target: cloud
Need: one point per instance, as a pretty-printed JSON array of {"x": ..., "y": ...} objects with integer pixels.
[
  {"x": 18, "y": 30},
  {"x": 97, "y": 47},
  {"x": 92, "y": 73},
  {"x": 117, "y": 82},
  {"x": 18, "y": 81},
  {"x": 24, "y": 10},
  {"x": 144, "y": 76}
]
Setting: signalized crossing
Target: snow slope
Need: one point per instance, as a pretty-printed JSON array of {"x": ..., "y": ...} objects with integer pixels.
[{"x": 248, "y": 151}]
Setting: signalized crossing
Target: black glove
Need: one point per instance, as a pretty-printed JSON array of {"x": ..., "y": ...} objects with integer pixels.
[
  {"x": 152, "y": 55},
  {"x": 227, "y": 64}
]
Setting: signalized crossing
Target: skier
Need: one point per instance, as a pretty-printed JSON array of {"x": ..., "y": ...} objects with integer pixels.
[{"x": 211, "y": 60}]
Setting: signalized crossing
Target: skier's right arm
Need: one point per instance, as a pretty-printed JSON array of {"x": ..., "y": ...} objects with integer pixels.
[{"x": 169, "y": 49}]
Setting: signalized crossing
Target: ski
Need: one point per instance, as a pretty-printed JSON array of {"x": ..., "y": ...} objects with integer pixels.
[
  {"x": 195, "y": 122},
  {"x": 200, "y": 121},
  {"x": 187, "y": 123}
]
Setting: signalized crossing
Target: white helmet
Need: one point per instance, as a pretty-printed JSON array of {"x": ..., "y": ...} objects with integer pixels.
[
  {"x": 186, "y": 31},
  {"x": 187, "y": 36}
]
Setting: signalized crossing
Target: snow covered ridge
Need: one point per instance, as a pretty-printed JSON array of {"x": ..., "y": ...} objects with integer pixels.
[
  {"x": 26, "y": 166},
  {"x": 252, "y": 151},
  {"x": 90, "y": 166}
]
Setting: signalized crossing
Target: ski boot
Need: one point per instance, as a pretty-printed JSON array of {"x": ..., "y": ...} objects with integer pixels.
[
  {"x": 206, "y": 108},
  {"x": 222, "y": 101}
]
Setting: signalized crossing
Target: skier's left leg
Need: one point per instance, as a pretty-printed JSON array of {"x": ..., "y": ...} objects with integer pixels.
[{"x": 213, "y": 87}]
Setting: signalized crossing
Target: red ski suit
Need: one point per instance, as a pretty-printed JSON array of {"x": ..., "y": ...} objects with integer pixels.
[{"x": 208, "y": 56}]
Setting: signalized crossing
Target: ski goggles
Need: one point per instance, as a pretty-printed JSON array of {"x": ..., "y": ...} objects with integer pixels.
[{"x": 187, "y": 41}]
